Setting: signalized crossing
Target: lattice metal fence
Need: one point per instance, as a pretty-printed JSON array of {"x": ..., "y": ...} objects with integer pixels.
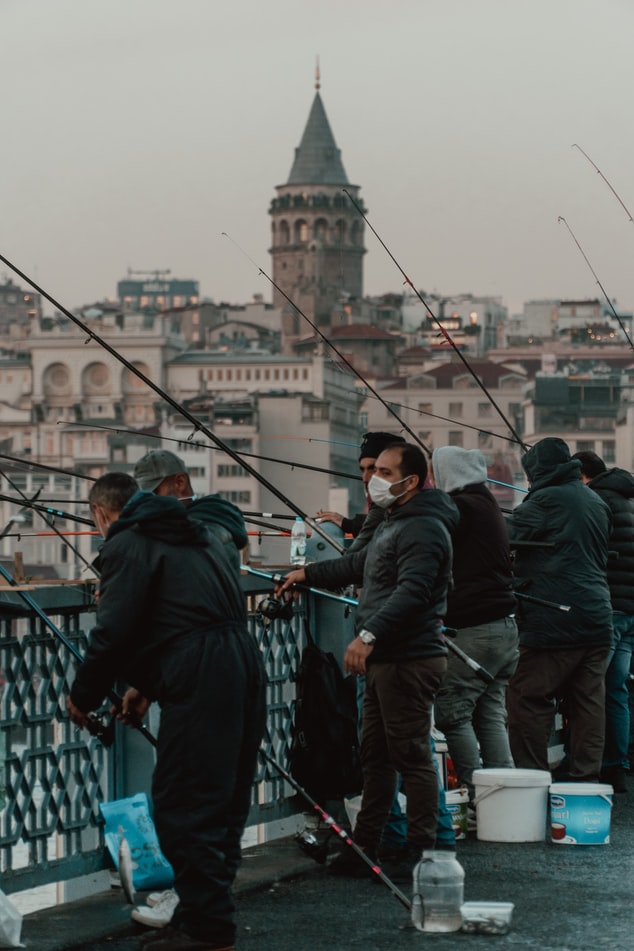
[{"x": 53, "y": 776}]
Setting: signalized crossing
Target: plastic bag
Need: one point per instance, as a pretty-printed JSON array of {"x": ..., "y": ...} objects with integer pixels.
[
  {"x": 10, "y": 924},
  {"x": 130, "y": 819}
]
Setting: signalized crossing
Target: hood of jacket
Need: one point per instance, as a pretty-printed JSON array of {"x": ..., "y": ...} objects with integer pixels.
[
  {"x": 432, "y": 503},
  {"x": 213, "y": 509},
  {"x": 616, "y": 480},
  {"x": 160, "y": 517},
  {"x": 549, "y": 463},
  {"x": 454, "y": 468}
]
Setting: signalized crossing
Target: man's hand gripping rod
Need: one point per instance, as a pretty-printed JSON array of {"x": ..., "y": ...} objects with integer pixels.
[{"x": 481, "y": 671}]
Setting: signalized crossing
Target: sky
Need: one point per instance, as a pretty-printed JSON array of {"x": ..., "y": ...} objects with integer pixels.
[{"x": 136, "y": 132}]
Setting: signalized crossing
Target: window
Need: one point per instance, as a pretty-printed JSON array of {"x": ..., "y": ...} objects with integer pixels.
[
  {"x": 237, "y": 498},
  {"x": 609, "y": 452},
  {"x": 485, "y": 441},
  {"x": 485, "y": 410},
  {"x": 226, "y": 471},
  {"x": 456, "y": 410},
  {"x": 455, "y": 437}
]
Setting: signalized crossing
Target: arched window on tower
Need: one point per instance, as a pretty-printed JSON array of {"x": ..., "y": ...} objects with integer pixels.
[
  {"x": 301, "y": 231},
  {"x": 321, "y": 229},
  {"x": 340, "y": 232},
  {"x": 355, "y": 233},
  {"x": 284, "y": 232}
]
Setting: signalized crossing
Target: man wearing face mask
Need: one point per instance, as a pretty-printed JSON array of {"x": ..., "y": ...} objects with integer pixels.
[{"x": 404, "y": 572}]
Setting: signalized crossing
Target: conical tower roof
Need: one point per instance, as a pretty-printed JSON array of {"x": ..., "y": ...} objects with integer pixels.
[{"x": 317, "y": 160}]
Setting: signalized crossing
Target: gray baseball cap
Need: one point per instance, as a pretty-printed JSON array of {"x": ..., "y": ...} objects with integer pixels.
[{"x": 155, "y": 466}]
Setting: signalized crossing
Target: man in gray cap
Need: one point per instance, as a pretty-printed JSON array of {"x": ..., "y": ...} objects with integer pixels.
[
  {"x": 372, "y": 445},
  {"x": 164, "y": 473}
]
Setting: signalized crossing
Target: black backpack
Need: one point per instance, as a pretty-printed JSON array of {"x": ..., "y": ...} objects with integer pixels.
[{"x": 324, "y": 756}]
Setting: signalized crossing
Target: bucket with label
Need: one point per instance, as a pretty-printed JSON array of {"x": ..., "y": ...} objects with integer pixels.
[
  {"x": 580, "y": 813},
  {"x": 457, "y": 800},
  {"x": 511, "y": 804}
]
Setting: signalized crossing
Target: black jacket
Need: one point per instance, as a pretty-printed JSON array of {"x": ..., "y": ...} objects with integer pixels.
[
  {"x": 163, "y": 578},
  {"x": 482, "y": 573},
  {"x": 561, "y": 511},
  {"x": 404, "y": 570},
  {"x": 616, "y": 488}
]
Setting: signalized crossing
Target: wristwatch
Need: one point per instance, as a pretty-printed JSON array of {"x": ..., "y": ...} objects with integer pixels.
[{"x": 367, "y": 637}]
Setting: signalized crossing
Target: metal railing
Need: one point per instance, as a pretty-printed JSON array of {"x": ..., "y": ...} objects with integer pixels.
[{"x": 53, "y": 776}]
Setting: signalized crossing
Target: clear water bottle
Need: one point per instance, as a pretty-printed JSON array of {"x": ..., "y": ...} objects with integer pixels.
[
  {"x": 298, "y": 542},
  {"x": 438, "y": 892}
]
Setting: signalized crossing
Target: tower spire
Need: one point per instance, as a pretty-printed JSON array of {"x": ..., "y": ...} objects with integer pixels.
[{"x": 317, "y": 76}]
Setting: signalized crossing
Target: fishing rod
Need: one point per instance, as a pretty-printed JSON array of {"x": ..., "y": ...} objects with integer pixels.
[
  {"x": 561, "y": 219},
  {"x": 197, "y": 424},
  {"x": 251, "y": 455},
  {"x": 333, "y": 825},
  {"x": 599, "y": 172},
  {"x": 50, "y": 522},
  {"x": 326, "y": 340},
  {"x": 457, "y": 422},
  {"x": 95, "y": 724},
  {"x": 444, "y": 332},
  {"x": 42, "y": 509},
  {"x": 42, "y": 465},
  {"x": 275, "y": 607}
]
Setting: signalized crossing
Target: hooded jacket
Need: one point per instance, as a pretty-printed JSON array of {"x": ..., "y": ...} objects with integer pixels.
[
  {"x": 616, "y": 488},
  {"x": 223, "y": 520},
  {"x": 482, "y": 573},
  {"x": 163, "y": 578},
  {"x": 404, "y": 571},
  {"x": 569, "y": 567}
]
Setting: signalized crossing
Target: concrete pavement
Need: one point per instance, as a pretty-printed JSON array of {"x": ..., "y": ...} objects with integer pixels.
[{"x": 567, "y": 898}]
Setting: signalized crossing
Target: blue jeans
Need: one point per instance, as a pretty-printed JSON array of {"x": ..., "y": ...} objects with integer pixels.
[{"x": 617, "y": 710}]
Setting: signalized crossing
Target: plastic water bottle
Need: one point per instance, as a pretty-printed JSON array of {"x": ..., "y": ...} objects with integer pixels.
[
  {"x": 298, "y": 542},
  {"x": 438, "y": 892}
]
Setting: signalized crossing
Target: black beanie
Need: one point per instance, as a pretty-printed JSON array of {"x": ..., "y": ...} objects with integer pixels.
[{"x": 373, "y": 444}]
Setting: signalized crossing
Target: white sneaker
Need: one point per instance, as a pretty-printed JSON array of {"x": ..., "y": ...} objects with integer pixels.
[
  {"x": 158, "y": 915},
  {"x": 155, "y": 897}
]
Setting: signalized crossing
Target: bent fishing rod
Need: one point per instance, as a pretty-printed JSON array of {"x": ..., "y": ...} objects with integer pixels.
[
  {"x": 95, "y": 725},
  {"x": 599, "y": 172},
  {"x": 332, "y": 346},
  {"x": 562, "y": 220},
  {"x": 442, "y": 329},
  {"x": 197, "y": 424}
]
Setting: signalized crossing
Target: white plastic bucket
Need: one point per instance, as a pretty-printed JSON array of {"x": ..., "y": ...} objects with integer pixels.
[
  {"x": 580, "y": 813},
  {"x": 511, "y": 804},
  {"x": 456, "y": 800}
]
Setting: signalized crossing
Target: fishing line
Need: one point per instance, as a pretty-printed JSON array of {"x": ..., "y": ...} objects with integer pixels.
[
  {"x": 341, "y": 356},
  {"x": 197, "y": 424},
  {"x": 444, "y": 332},
  {"x": 561, "y": 219}
]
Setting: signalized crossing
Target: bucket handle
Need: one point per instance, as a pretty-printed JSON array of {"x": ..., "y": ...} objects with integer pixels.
[
  {"x": 487, "y": 792},
  {"x": 418, "y": 911}
]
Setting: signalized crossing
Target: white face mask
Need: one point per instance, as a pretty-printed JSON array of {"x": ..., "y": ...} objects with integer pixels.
[{"x": 379, "y": 491}]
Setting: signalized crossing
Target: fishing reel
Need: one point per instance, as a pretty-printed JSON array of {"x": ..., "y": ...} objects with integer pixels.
[
  {"x": 100, "y": 727},
  {"x": 271, "y": 608}
]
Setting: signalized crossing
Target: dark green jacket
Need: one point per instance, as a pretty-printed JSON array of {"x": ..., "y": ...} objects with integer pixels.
[{"x": 561, "y": 512}]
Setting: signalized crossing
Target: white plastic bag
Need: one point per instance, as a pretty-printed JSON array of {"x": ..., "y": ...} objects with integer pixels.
[{"x": 10, "y": 924}]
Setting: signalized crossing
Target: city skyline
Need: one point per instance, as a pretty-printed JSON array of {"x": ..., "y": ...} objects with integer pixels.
[{"x": 136, "y": 134}]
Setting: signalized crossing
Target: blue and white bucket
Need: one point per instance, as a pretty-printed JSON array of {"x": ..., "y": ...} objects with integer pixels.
[{"x": 580, "y": 813}]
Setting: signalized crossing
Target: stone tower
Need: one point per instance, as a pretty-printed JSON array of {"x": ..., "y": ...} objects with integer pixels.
[{"x": 317, "y": 234}]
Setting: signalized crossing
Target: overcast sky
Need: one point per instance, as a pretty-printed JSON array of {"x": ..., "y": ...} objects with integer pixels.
[{"x": 134, "y": 132}]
